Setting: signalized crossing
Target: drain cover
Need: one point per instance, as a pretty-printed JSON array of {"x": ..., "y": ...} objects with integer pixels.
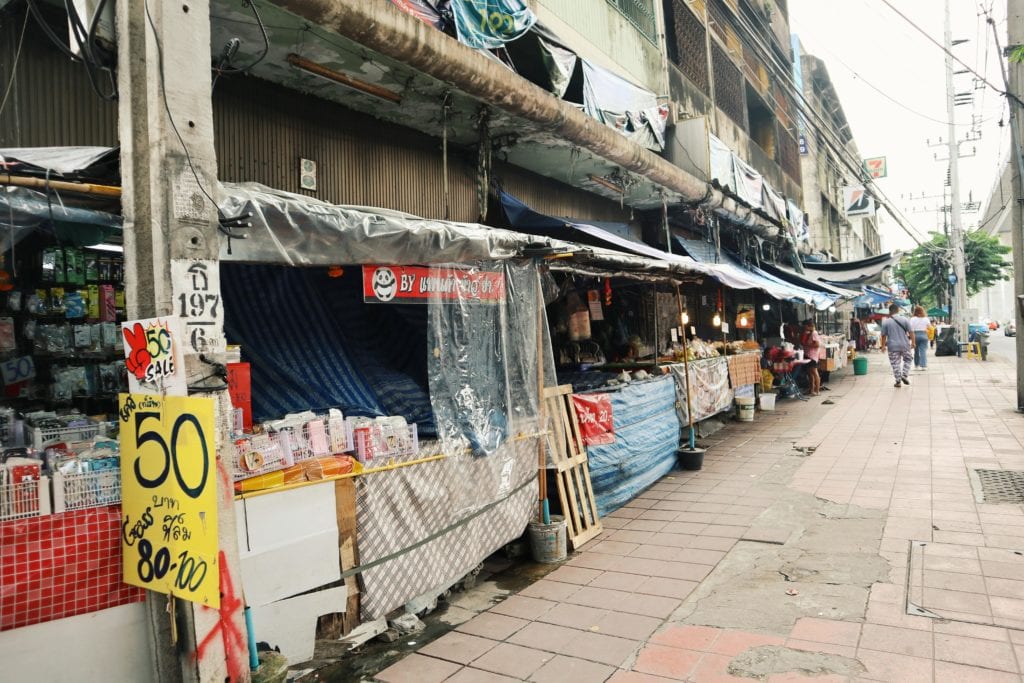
[{"x": 1001, "y": 486}]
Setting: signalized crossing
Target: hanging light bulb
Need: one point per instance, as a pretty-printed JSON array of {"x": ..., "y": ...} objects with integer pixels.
[
  {"x": 766, "y": 307},
  {"x": 743, "y": 321},
  {"x": 717, "y": 320},
  {"x": 685, "y": 318}
]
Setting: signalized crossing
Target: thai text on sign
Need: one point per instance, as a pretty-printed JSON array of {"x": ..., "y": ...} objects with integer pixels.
[
  {"x": 594, "y": 415},
  {"x": 418, "y": 284},
  {"x": 169, "y": 496}
]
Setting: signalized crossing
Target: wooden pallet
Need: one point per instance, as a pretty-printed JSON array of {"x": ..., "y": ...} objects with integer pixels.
[{"x": 572, "y": 469}]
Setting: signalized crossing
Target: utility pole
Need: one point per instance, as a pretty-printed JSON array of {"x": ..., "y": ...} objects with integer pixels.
[
  {"x": 1014, "y": 82},
  {"x": 956, "y": 243}
]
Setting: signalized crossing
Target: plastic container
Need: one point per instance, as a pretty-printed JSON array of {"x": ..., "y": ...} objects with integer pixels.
[
  {"x": 745, "y": 409},
  {"x": 860, "y": 365},
  {"x": 548, "y": 541},
  {"x": 767, "y": 401},
  {"x": 690, "y": 458}
]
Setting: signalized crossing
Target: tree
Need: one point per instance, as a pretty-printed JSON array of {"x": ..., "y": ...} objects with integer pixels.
[{"x": 926, "y": 269}]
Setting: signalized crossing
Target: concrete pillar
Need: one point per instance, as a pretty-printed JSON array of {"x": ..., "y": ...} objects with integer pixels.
[{"x": 169, "y": 179}]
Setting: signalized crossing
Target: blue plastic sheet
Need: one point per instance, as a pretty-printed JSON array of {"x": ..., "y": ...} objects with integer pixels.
[
  {"x": 489, "y": 24},
  {"x": 646, "y": 439}
]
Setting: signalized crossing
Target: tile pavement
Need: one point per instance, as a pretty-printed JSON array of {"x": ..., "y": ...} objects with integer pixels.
[{"x": 604, "y": 615}]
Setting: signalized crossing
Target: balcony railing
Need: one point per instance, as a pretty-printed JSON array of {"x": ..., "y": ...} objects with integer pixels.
[{"x": 640, "y": 13}]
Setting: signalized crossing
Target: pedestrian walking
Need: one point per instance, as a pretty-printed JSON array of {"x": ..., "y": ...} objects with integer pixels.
[
  {"x": 898, "y": 341},
  {"x": 919, "y": 325},
  {"x": 810, "y": 340}
]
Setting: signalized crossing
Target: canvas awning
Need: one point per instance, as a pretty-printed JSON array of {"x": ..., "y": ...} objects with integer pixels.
[{"x": 846, "y": 273}]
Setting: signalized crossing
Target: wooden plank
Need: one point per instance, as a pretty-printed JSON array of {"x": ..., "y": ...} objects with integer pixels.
[
  {"x": 572, "y": 467},
  {"x": 348, "y": 551}
]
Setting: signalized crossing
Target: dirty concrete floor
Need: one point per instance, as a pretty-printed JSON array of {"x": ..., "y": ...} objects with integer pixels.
[{"x": 840, "y": 541}]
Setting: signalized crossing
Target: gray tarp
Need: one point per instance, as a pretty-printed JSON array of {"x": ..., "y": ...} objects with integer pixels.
[{"x": 63, "y": 160}]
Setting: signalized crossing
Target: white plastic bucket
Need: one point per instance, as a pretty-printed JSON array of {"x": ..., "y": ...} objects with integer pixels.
[
  {"x": 548, "y": 541},
  {"x": 745, "y": 409},
  {"x": 767, "y": 401}
]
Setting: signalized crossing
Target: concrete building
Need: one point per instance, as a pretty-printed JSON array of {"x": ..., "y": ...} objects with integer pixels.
[
  {"x": 827, "y": 153},
  {"x": 996, "y": 302}
]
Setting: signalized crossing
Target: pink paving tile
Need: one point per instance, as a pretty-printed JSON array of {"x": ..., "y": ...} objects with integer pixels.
[
  {"x": 889, "y": 667},
  {"x": 601, "y": 598},
  {"x": 699, "y": 638},
  {"x": 493, "y": 626},
  {"x": 513, "y": 660},
  {"x": 660, "y": 552},
  {"x": 649, "y": 605},
  {"x": 734, "y": 642},
  {"x": 613, "y": 548},
  {"x": 542, "y": 636},
  {"x": 713, "y": 543},
  {"x": 793, "y": 677},
  {"x": 668, "y": 588},
  {"x": 416, "y": 668},
  {"x": 1005, "y": 588},
  {"x": 827, "y": 631},
  {"x": 724, "y": 531},
  {"x": 578, "y": 575},
  {"x": 598, "y": 647},
  {"x": 563, "y": 668},
  {"x": 958, "y": 628},
  {"x": 522, "y": 607},
  {"x": 617, "y": 581},
  {"x": 556, "y": 591},
  {"x": 948, "y": 671},
  {"x": 1007, "y": 608},
  {"x": 903, "y": 641},
  {"x": 574, "y": 616},
  {"x": 632, "y": 626},
  {"x": 461, "y": 648},
  {"x": 470, "y": 675},
  {"x": 938, "y": 599},
  {"x": 636, "y": 677},
  {"x": 975, "y": 652},
  {"x": 971, "y": 583},
  {"x": 669, "y": 662},
  {"x": 715, "y": 669},
  {"x": 697, "y": 556},
  {"x": 828, "y": 648}
]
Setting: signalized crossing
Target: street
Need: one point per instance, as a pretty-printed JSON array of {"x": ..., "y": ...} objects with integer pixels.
[
  {"x": 1004, "y": 347},
  {"x": 842, "y": 539}
]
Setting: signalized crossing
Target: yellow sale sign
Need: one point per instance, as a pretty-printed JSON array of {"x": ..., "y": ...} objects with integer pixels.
[{"x": 169, "y": 496}]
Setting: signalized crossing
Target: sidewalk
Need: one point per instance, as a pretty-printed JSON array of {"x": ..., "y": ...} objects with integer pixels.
[{"x": 834, "y": 540}]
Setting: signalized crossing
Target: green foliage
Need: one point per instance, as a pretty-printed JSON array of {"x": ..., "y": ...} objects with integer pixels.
[
  {"x": 926, "y": 269},
  {"x": 1017, "y": 54}
]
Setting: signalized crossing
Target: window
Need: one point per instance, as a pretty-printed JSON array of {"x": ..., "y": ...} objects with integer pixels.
[{"x": 640, "y": 13}]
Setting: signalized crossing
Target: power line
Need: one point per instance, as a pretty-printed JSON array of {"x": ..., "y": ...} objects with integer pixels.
[{"x": 14, "y": 67}]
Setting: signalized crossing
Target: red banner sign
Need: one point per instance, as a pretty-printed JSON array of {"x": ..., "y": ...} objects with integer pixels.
[
  {"x": 594, "y": 414},
  {"x": 417, "y": 284}
]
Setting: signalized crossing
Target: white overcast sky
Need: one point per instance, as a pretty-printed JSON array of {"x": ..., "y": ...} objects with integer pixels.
[{"x": 869, "y": 48}]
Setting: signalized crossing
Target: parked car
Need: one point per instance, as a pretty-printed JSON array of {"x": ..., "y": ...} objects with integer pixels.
[{"x": 1010, "y": 329}]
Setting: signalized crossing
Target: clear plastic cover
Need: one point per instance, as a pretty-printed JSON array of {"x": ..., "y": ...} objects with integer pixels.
[{"x": 488, "y": 353}]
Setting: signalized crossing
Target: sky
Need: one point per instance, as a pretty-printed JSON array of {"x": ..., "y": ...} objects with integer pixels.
[{"x": 891, "y": 82}]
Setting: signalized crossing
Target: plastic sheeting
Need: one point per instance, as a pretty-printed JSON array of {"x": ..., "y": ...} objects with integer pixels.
[
  {"x": 23, "y": 210},
  {"x": 710, "y": 393},
  {"x": 797, "y": 226},
  {"x": 721, "y": 163},
  {"x": 749, "y": 183},
  {"x": 628, "y": 108},
  {"x": 484, "y": 358},
  {"x": 646, "y": 439},
  {"x": 66, "y": 161},
  {"x": 489, "y": 24}
]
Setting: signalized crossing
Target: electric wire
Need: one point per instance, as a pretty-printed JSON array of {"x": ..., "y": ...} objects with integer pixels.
[
  {"x": 266, "y": 46},
  {"x": 14, "y": 67}
]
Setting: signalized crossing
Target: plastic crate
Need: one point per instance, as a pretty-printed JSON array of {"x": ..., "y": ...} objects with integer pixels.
[
  {"x": 264, "y": 453},
  {"x": 375, "y": 443},
  {"x": 41, "y": 437},
  {"x": 86, "y": 489},
  {"x": 25, "y": 499}
]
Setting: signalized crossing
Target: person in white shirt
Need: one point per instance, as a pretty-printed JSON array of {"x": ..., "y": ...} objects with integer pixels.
[{"x": 919, "y": 325}]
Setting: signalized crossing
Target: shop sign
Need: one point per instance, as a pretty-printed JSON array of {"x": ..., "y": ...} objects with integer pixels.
[
  {"x": 195, "y": 284},
  {"x": 169, "y": 496},
  {"x": 876, "y": 167},
  {"x": 153, "y": 354},
  {"x": 594, "y": 415},
  {"x": 417, "y": 284}
]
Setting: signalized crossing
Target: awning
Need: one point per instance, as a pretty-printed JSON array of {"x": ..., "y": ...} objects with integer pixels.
[
  {"x": 23, "y": 211},
  {"x": 796, "y": 278},
  {"x": 742, "y": 276},
  {"x": 845, "y": 273}
]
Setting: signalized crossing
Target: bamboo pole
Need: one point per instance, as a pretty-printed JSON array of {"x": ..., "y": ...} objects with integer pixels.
[
  {"x": 61, "y": 185},
  {"x": 542, "y": 471}
]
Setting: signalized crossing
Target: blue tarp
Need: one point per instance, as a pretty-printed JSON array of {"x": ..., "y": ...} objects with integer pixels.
[
  {"x": 314, "y": 345},
  {"x": 646, "y": 439}
]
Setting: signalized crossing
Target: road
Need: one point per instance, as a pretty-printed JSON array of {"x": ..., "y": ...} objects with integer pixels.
[{"x": 1003, "y": 346}]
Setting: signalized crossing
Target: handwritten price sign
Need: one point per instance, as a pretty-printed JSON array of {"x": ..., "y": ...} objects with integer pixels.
[{"x": 169, "y": 496}]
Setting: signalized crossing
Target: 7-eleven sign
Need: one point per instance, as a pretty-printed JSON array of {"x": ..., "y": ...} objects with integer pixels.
[{"x": 876, "y": 167}]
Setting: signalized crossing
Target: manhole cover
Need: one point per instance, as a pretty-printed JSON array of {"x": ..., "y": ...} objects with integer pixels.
[
  {"x": 1001, "y": 486},
  {"x": 955, "y": 411},
  {"x": 964, "y": 583}
]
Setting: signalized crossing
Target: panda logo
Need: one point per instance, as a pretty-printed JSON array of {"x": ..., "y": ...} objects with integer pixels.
[{"x": 384, "y": 284}]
